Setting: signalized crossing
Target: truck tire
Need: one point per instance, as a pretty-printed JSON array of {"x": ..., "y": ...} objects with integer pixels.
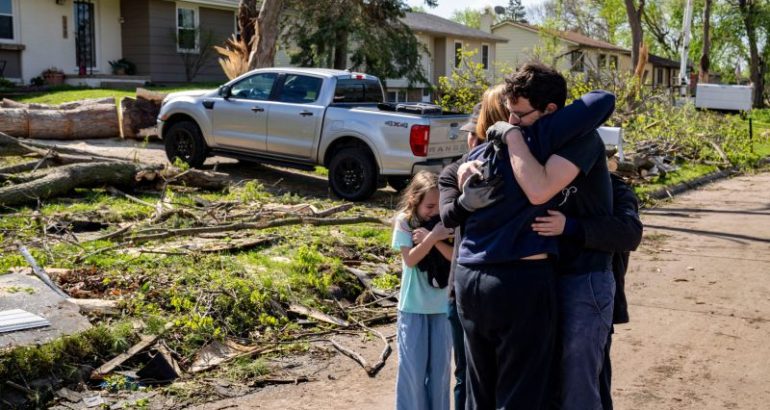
[
  {"x": 398, "y": 183},
  {"x": 353, "y": 174},
  {"x": 184, "y": 140}
]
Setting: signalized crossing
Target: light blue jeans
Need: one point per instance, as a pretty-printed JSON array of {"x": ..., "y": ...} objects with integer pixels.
[
  {"x": 586, "y": 303},
  {"x": 424, "y": 349}
]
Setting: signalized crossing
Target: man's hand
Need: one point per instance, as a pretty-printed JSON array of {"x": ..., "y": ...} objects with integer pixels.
[
  {"x": 497, "y": 133},
  {"x": 479, "y": 193},
  {"x": 465, "y": 170},
  {"x": 440, "y": 232},
  {"x": 551, "y": 225},
  {"x": 419, "y": 235}
]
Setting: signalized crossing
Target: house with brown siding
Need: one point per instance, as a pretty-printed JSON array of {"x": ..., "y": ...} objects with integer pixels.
[{"x": 81, "y": 37}]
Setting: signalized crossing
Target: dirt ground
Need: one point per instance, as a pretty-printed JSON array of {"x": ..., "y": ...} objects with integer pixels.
[
  {"x": 698, "y": 289},
  {"x": 699, "y": 295}
]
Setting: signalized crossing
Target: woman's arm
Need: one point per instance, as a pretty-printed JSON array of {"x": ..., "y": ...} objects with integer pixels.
[
  {"x": 452, "y": 214},
  {"x": 446, "y": 249}
]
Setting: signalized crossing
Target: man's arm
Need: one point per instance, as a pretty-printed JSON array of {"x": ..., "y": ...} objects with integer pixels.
[
  {"x": 618, "y": 233},
  {"x": 576, "y": 119},
  {"x": 539, "y": 182},
  {"x": 621, "y": 232}
]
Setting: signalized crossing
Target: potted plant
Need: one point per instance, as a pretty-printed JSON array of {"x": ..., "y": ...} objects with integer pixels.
[
  {"x": 53, "y": 76},
  {"x": 123, "y": 67}
]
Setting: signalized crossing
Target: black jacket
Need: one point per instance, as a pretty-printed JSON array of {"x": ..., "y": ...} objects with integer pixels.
[
  {"x": 453, "y": 215},
  {"x": 620, "y": 234}
]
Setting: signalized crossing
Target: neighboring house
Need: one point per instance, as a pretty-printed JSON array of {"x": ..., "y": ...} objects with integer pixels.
[
  {"x": 442, "y": 39},
  {"x": 575, "y": 52},
  {"x": 81, "y": 37}
]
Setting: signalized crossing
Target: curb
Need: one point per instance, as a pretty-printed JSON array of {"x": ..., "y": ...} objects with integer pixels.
[{"x": 670, "y": 192}]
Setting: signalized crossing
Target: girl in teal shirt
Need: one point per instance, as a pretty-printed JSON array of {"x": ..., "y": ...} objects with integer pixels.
[{"x": 424, "y": 337}]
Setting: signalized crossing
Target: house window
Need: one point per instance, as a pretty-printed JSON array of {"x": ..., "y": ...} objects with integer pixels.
[
  {"x": 396, "y": 96},
  {"x": 485, "y": 56},
  {"x": 576, "y": 59},
  {"x": 660, "y": 77},
  {"x": 186, "y": 29},
  {"x": 6, "y": 20},
  {"x": 458, "y": 53},
  {"x": 614, "y": 62},
  {"x": 602, "y": 61}
]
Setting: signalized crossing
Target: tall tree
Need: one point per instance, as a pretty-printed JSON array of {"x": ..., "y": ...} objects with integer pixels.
[
  {"x": 370, "y": 34},
  {"x": 515, "y": 12},
  {"x": 703, "y": 69},
  {"x": 751, "y": 13},
  {"x": 266, "y": 30},
  {"x": 635, "y": 22},
  {"x": 468, "y": 16}
]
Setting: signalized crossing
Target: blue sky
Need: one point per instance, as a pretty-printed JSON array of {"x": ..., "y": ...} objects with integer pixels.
[{"x": 446, "y": 7}]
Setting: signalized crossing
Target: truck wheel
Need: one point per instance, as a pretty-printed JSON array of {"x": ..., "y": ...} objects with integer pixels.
[
  {"x": 184, "y": 141},
  {"x": 353, "y": 174},
  {"x": 398, "y": 183}
]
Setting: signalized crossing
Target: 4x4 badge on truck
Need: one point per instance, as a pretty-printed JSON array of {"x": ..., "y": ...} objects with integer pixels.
[{"x": 397, "y": 124}]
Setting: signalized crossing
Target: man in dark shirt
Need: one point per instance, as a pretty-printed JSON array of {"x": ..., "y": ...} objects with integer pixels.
[
  {"x": 503, "y": 266},
  {"x": 586, "y": 285}
]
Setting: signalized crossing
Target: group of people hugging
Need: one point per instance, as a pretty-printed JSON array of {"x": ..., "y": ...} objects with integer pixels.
[{"x": 514, "y": 257}]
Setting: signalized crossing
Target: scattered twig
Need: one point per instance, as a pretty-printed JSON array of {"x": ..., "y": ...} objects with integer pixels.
[
  {"x": 117, "y": 192},
  {"x": 315, "y": 314}
]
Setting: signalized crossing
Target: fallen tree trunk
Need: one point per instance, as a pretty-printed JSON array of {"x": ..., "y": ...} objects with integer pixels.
[
  {"x": 57, "y": 181},
  {"x": 75, "y": 121},
  {"x": 6, "y": 103}
]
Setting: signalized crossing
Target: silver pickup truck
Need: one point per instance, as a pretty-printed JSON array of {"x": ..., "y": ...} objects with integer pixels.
[{"x": 306, "y": 117}]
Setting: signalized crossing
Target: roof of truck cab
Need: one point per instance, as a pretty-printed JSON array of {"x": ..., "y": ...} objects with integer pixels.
[{"x": 326, "y": 72}]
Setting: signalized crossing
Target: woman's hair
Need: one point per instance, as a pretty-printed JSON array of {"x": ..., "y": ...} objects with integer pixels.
[
  {"x": 492, "y": 110},
  {"x": 414, "y": 193}
]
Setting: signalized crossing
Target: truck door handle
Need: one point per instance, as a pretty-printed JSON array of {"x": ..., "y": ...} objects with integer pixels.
[
  {"x": 257, "y": 109},
  {"x": 306, "y": 113}
]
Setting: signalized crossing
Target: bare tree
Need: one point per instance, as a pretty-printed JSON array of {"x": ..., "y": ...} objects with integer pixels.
[
  {"x": 266, "y": 30},
  {"x": 703, "y": 72},
  {"x": 635, "y": 22},
  {"x": 750, "y": 12}
]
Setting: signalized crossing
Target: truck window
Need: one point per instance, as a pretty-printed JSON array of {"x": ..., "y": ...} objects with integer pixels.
[
  {"x": 357, "y": 91},
  {"x": 300, "y": 89},
  {"x": 256, "y": 87}
]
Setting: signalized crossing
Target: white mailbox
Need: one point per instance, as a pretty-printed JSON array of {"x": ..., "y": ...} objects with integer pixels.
[
  {"x": 613, "y": 136},
  {"x": 723, "y": 97}
]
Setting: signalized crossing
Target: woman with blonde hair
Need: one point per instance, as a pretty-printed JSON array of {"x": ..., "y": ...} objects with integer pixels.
[{"x": 492, "y": 110}]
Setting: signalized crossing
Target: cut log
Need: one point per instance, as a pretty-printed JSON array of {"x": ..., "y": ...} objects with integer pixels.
[
  {"x": 57, "y": 181},
  {"x": 137, "y": 115},
  {"x": 6, "y": 103},
  {"x": 74, "y": 122},
  {"x": 154, "y": 96}
]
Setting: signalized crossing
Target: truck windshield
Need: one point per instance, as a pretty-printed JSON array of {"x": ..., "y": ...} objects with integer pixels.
[{"x": 357, "y": 91}]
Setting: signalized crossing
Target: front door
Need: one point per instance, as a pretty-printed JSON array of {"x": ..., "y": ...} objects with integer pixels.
[
  {"x": 295, "y": 118},
  {"x": 240, "y": 121},
  {"x": 85, "y": 37}
]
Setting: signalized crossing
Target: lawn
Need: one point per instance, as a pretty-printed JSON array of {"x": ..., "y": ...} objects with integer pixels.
[{"x": 66, "y": 94}]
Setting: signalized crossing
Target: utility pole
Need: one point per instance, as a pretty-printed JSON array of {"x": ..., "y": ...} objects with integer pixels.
[{"x": 684, "y": 77}]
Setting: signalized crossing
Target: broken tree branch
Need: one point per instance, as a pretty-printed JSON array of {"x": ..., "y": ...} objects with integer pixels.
[
  {"x": 317, "y": 315},
  {"x": 257, "y": 225}
]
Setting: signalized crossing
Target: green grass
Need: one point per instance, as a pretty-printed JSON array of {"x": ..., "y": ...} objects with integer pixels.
[
  {"x": 67, "y": 93},
  {"x": 686, "y": 172}
]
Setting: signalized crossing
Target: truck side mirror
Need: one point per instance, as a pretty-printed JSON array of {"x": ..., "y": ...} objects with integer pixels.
[{"x": 224, "y": 91}]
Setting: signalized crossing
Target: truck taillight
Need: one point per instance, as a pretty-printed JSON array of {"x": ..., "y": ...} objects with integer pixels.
[{"x": 419, "y": 138}]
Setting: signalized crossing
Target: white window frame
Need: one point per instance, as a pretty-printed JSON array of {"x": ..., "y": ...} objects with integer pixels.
[
  {"x": 455, "y": 61},
  {"x": 14, "y": 21},
  {"x": 196, "y": 27},
  {"x": 482, "y": 56}
]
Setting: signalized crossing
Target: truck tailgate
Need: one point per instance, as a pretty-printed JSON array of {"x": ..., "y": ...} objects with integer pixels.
[{"x": 446, "y": 139}]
